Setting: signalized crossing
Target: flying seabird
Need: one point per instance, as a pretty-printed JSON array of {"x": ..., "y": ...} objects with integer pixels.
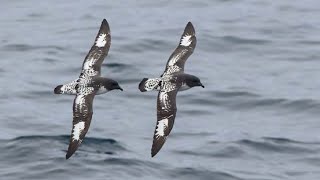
[
  {"x": 168, "y": 84},
  {"x": 89, "y": 84}
]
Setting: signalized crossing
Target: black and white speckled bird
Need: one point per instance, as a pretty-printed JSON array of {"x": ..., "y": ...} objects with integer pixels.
[
  {"x": 89, "y": 84},
  {"x": 171, "y": 81}
]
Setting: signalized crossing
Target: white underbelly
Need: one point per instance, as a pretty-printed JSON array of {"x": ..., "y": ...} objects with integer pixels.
[
  {"x": 101, "y": 90},
  {"x": 184, "y": 87}
]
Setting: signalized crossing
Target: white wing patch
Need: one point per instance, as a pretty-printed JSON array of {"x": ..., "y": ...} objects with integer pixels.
[
  {"x": 164, "y": 100},
  {"x": 186, "y": 40},
  {"x": 174, "y": 59},
  {"x": 89, "y": 63},
  {"x": 161, "y": 127},
  {"x": 77, "y": 129},
  {"x": 80, "y": 100},
  {"x": 101, "y": 41},
  {"x": 172, "y": 67},
  {"x": 88, "y": 67}
]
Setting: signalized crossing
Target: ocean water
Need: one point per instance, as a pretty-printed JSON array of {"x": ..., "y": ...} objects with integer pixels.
[{"x": 257, "y": 118}]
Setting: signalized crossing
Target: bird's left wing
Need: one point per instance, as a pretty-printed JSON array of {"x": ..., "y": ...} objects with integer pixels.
[
  {"x": 185, "y": 48},
  {"x": 99, "y": 50}
]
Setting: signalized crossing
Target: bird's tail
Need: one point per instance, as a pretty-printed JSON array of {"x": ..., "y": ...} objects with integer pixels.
[{"x": 149, "y": 84}]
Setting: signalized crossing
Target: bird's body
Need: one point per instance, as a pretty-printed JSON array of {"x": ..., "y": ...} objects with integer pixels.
[
  {"x": 89, "y": 84},
  {"x": 168, "y": 84}
]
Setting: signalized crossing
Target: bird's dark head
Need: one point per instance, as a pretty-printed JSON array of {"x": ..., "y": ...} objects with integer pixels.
[
  {"x": 110, "y": 84},
  {"x": 193, "y": 81}
]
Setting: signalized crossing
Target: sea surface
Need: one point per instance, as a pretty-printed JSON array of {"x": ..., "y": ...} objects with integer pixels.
[{"x": 257, "y": 119}]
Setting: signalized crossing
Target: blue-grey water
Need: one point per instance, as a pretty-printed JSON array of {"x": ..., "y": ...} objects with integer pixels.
[{"x": 257, "y": 119}]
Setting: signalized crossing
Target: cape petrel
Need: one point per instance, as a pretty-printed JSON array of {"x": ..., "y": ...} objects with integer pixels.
[
  {"x": 89, "y": 84},
  {"x": 171, "y": 81}
]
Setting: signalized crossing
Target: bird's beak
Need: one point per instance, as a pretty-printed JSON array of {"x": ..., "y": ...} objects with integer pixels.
[
  {"x": 120, "y": 88},
  {"x": 200, "y": 84}
]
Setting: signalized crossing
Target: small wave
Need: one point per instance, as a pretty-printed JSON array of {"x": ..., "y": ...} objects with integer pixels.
[
  {"x": 200, "y": 134},
  {"x": 243, "y": 148},
  {"x": 231, "y": 94},
  {"x": 36, "y": 15},
  {"x": 47, "y": 59},
  {"x": 44, "y": 147},
  {"x": 284, "y": 140},
  {"x": 228, "y": 151},
  {"x": 238, "y": 40},
  {"x": 308, "y": 42},
  {"x": 144, "y": 44},
  {"x": 26, "y": 47},
  {"x": 276, "y": 145},
  {"x": 192, "y": 173},
  {"x": 247, "y": 100},
  {"x": 116, "y": 65},
  {"x": 35, "y": 94}
]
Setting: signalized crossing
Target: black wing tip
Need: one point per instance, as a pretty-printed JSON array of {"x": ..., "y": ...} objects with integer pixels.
[
  {"x": 189, "y": 29},
  {"x": 105, "y": 22},
  {"x": 157, "y": 145},
  {"x": 71, "y": 151},
  {"x": 105, "y": 26},
  {"x": 68, "y": 155},
  {"x": 153, "y": 154},
  {"x": 141, "y": 85},
  {"x": 57, "y": 90},
  {"x": 154, "y": 151},
  {"x": 73, "y": 146}
]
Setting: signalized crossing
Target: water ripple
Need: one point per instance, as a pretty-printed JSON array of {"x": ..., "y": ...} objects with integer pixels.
[
  {"x": 27, "y": 47},
  {"x": 193, "y": 173}
]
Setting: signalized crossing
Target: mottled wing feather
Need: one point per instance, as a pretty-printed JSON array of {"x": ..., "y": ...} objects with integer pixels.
[
  {"x": 82, "y": 114},
  {"x": 185, "y": 48},
  {"x": 69, "y": 88},
  {"x": 92, "y": 63},
  {"x": 149, "y": 84},
  {"x": 166, "y": 113}
]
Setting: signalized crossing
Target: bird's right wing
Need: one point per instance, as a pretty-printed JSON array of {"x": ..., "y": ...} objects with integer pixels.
[
  {"x": 82, "y": 114},
  {"x": 166, "y": 113}
]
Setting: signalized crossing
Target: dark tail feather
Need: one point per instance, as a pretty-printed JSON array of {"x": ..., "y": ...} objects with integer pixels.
[{"x": 57, "y": 90}]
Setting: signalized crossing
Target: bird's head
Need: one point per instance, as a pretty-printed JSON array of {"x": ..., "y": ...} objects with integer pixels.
[
  {"x": 193, "y": 81},
  {"x": 110, "y": 84}
]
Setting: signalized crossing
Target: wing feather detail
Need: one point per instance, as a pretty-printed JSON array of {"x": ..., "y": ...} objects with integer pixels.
[
  {"x": 99, "y": 50},
  {"x": 185, "y": 48},
  {"x": 82, "y": 115},
  {"x": 166, "y": 113}
]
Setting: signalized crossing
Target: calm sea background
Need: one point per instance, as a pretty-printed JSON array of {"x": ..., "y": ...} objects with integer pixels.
[{"x": 257, "y": 119}]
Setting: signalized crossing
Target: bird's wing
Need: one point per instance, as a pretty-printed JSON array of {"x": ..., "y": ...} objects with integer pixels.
[
  {"x": 82, "y": 114},
  {"x": 185, "y": 48},
  {"x": 99, "y": 50},
  {"x": 166, "y": 113}
]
